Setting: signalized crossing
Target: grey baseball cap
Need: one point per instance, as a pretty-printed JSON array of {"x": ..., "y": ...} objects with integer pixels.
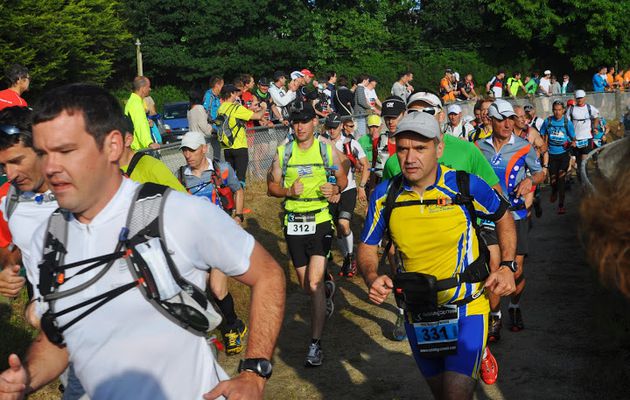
[{"x": 420, "y": 123}]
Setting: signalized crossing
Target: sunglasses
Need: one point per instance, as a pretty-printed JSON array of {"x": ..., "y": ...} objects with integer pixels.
[
  {"x": 428, "y": 110},
  {"x": 350, "y": 126},
  {"x": 10, "y": 130}
]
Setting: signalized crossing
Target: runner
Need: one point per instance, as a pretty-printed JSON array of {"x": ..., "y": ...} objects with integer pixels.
[
  {"x": 532, "y": 118},
  {"x": 510, "y": 157},
  {"x": 301, "y": 173},
  {"x": 455, "y": 126},
  {"x": 216, "y": 182},
  {"x": 427, "y": 225},
  {"x": 483, "y": 130},
  {"x": 560, "y": 136},
  {"x": 372, "y": 144},
  {"x": 343, "y": 209},
  {"x": 133, "y": 347},
  {"x": 585, "y": 118}
]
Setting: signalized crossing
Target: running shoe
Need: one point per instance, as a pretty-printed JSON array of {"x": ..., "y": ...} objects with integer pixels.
[
  {"x": 353, "y": 266},
  {"x": 233, "y": 337},
  {"x": 330, "y": 287},
  {"x": 489, "y": 368},
  {"x": 399, "y": 333},
  {"x": 494, "y": 329},
  {"x": 345, "y": 267},
  {"x": 516, "y": 319},
  {"x": 562, "y": 210},
  {"x": 314, "y": 357}
]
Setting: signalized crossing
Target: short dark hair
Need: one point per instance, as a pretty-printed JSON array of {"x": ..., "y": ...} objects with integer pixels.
[
  {"x": 372, "y": 78},
  {"x": 405, "y": 73},
  {"x": 20, "y": 118},
  {"x": 195, "y": 95},
  {"x": 361, "y": 77},
  {"x": 14, "y": 73},
  {"x": 101, "y": 111},
  {"x": 342, "y": 80},
  {"x": 246, "y": 78},
  {"x": 330, "y": 74},
  {"x": 558, "y": 102},
  {"x": 214, "y": 80}
]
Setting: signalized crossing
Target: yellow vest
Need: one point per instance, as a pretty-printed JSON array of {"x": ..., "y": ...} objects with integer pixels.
[{"x": 309, "y": 166}]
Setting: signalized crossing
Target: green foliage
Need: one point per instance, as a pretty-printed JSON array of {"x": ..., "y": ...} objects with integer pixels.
[{"x": 62, "y": 42}]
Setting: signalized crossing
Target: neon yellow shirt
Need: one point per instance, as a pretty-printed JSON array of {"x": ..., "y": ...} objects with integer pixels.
[
  {"x": 238, "y": 131},
  {"x": 150, "y": 169}
]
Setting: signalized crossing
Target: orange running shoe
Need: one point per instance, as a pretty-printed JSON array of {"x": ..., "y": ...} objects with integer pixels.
[{"x": 489, "y": 368}]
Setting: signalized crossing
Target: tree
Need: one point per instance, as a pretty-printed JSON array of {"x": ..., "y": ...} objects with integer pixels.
[{"x": 65, "y": 41}]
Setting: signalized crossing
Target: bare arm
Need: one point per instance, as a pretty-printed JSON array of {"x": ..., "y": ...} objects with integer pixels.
[
  {"x": 274, "y": 181},
  {"x": 267, "y": 282},
  {"x": 501, "y": 281},
  {"x": 238, "y": 201},
  {"x": 379, "y": 286}
]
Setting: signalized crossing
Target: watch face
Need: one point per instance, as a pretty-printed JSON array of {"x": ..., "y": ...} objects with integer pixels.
[{"x": 265, "y": 368}]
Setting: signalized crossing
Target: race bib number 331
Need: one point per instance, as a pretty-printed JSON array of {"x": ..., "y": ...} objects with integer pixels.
[{"x": 437, "y": 332}]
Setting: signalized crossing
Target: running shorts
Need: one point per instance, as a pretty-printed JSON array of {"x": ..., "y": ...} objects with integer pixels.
[
  {"x": 303, "y": 247},
  {"x": 473, "y": 331},
  {"x": 489, "y": 234},
  {"x": 558, "y": 162},
  {"x": 344, "y": 209}
]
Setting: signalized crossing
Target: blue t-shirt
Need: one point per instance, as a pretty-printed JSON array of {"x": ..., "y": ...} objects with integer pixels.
[
  {"x": 211, "y": 103},
  {"x": 598, "y": 138},
  {"x": 561, "y": 132},
  {"x": 599, "y": 83}
]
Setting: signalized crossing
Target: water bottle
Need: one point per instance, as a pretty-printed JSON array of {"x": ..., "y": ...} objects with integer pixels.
[{"x": 332, "y": 179}]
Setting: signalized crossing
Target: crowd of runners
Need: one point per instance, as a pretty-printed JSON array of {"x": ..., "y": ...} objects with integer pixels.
[{"x": 115, "y": 251}]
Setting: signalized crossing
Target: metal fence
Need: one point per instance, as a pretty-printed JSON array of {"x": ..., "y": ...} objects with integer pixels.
[{"x": 263, "y": 141}]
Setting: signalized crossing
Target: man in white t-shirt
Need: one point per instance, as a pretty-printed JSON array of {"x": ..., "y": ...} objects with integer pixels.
[
  {"x": 585, "y": 118},
  {"x": 372, "y": 97},
  {"x": 125, "y": 347},
  {"x": 455, "y": 125},
  {"x": 342, "y": 210},
  {"x": 544, "y": 86}
]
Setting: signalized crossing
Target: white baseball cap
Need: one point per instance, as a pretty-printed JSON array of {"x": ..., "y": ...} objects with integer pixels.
[
  {"x": 454, "y": 109},
  {"x": 579, "y": 94},
  {"x": 431, "y": 99},
  {"x": 501, "y": 110},
  {"x": 193, "y": 140},
  {"x": 296, "y": 75},
  {"x": 547, "y": 72}
]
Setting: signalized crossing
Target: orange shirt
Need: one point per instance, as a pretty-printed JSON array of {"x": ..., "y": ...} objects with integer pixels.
[{"x": 619, "y": 81}]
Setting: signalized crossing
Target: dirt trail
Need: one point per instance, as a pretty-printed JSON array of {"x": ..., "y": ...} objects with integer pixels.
[{"x": 575, "y": 344}]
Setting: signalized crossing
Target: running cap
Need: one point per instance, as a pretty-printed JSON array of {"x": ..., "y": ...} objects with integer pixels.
[
  {"x": 373, "y": 120},
  {"x": 277, "y": 75},
  {"x": 580, "y": 93},
  {"x": 547, "y": 72},
  {"x": 296, "y": 75},
  {"x": 501, "y": 110},
  {"x": 454, "y": 109},
  {"x": 393, "y": 106},
  {"x": 333, "y": 120},
  {"x": 306, "y": 72},
  {"x": 192, "y": 140},
  {"x": 420, "y": 123},
  {"x": 430, "y": 98},
  {"x": 263, "y": 82},
  {"x": 301, "y": 111},
  {"x": 456, "y": 75}
]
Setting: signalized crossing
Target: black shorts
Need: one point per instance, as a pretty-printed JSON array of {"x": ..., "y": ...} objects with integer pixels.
[
  {"x": 238, "y": 159},
  {"x": 558, "y": 162},
  {"x": 489, "y": 234},
  {"x": 303, "y": 247},
  {"x": 579, "y": 151},
  {"x": 345, "y": 208}
]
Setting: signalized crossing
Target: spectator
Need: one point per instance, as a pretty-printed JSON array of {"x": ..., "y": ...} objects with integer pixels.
[
  {"x": 514, "y": 83},
  {"x": 247, "y": 84},
  {"x": 18, "y": 79},
  {"x": 567, "y": 86},
  {"x": 344, "y": 97},
  {"x": 466, "y": 89},
  {"x": 495, "y": 85},
  {"x": 620, "y": 84},
  {"x": 531, "y": 85},
  {"x": 599, "y": 80},
  {"x": 372, "y": 97},
  {"x": 280, "y": 97},
  {"x": 263, "y": 96},
  {"x": 402, "y": 88},
  {"x": 212, "y": 99},
  {"x": 197, "y": 115},
  {"x": 152, "y": 116},
  {"x": 134, "y": 109},
  {"x": 447, "y": 90},
  {"x": 329, "y": 90},
  {"x": 610, "y": 79},
  {"x": 544, "y": 86},
  {"x": 555, "y": 86},
  {"x": 456, "y": 126},
  {"x": 361, "y": 104}
]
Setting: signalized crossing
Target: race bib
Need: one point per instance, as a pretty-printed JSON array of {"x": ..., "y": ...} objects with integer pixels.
[
  {"x": 581, "y": 143},
  {"x": 301, "y": 224},
  {"x": 437, "y": 332}
]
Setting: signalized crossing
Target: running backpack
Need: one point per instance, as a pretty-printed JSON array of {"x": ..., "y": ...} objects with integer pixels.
[
  {"x": 478, "y": 270},
  {"x": 226, "y": 133},
  {"x": 590, "y": 113},
  {"x": 14, "y": 197},
  {"x": 141, "y": 245},
  {"x": 223, "y": 191}
]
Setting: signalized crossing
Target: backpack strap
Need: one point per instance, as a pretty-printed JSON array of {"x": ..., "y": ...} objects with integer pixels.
[
  {"x": 12, "y": 200},
  {"x": 288, "y": 152},
  {"x": 323, "y": 151},
  {"x": 134, "y": 161}
]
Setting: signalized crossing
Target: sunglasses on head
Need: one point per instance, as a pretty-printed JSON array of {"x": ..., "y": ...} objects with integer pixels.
[
  {"x": 428, "y": 110},
  {"x": 10, "y": 130}
]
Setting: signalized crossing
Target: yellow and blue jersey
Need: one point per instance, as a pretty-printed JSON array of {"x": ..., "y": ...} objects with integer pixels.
[{"x": 439, "y": 240}]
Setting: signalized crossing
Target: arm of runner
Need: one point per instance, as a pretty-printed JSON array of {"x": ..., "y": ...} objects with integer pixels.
[
  {"x": 533, "y": 163},
  {"x": 44, "y": 363},
  {"x": 267, "y": 282},
  {"x": 274, "y": 182},
  {"x": 341, "y": 174},
  {"x": 10, "y": 281},
  {"x": 501, "y": 281},
  {"x": 365, "y": 177},
  {"x": 379, "y": 286}
]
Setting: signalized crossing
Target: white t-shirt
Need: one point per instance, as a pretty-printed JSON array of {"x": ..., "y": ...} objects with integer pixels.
[
  {"x": 545, "y": 84},
  {"x": 460, "y": 131},
  {"x": 27, "y": 216},
  {"x": 356, "y": 149},
  {"x": 371, "y": 96},
  {"x": 126, "y": 348},
  {"x": 582, "y": 121},
  {"x": 537, "y": 122}
]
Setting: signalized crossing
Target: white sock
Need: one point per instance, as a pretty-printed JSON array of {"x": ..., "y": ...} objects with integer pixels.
[
  {"x": 496, "y": 314},
  {"x": 512, "y": 305},
  {"x": 349, "y": 243},
  {"x": 342, "y": 245}
]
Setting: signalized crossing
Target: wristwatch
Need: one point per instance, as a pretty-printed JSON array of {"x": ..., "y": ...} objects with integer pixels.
[
  {"x": 512, "y": 265},
  {"x": 260, "y": 366}
]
